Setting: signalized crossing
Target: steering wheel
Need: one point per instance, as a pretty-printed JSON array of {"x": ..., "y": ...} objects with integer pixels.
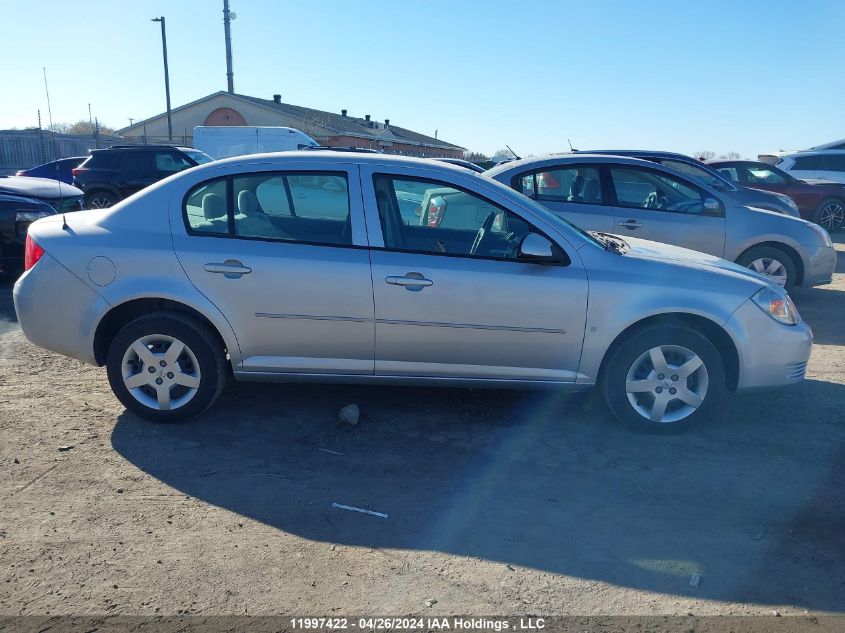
[
  {"x": 655, "y": 200},
  {"x": 483, "y": 232}
]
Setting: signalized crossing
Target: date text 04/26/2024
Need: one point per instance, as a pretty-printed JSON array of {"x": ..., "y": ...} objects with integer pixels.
[{"x": 418, "y": 623}]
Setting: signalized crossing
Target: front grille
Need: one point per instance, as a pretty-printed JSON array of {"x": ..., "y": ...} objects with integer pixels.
[{"x": 796, "y": 371}]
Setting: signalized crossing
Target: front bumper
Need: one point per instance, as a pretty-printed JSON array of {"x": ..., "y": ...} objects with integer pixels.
[
  {"x": 819, "y": 264},
  {"x": 770, "y": 354}
]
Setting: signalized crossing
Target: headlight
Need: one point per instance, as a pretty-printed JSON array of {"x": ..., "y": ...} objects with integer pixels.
[
  {"x": 777, "y": 305},
  {"x": 788, "y": 201},
  {"x": 31, "y": 216},
  {"x": 824, "y": 235}
]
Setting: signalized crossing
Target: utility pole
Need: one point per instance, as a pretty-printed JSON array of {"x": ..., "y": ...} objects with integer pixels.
[
  {"x": 227, "y": 28},
  {"x": 166, "y": 75}
]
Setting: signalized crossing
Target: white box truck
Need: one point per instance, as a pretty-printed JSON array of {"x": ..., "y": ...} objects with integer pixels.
[{"x": 224, "y": 140}]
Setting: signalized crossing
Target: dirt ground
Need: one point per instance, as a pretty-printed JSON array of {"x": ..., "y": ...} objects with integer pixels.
[{"x": 498, "y": 502}]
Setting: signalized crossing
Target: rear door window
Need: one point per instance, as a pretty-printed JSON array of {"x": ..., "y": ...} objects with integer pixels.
[
  {"x": 577, "y": 183},
  {"x": 310, "y": 207},
  {"x": 833, "y": 162},
  {"x": 133, "y": 163},
  {"x": 807, "y": 163}
]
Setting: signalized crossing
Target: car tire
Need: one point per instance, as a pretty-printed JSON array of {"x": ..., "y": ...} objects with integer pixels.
[
  {"x": 830, "y": 214},
  {"x": 764, "y": 258},
  {"x": 635, "y": 392},
  {"x": 166, "y": 383},
  {"x": 100, "y": 199}
]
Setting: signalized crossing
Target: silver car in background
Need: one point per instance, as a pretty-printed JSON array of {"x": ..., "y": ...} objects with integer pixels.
[
  {"x": 704, "y": 173},
  {"x": 634, "y": 197},
  {"x": 304, "y": 267}
]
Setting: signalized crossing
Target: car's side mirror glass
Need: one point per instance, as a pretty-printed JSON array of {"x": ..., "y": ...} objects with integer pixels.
[
  {"x": 712, "y": 206},
  {"x": 536, "y": 248}
]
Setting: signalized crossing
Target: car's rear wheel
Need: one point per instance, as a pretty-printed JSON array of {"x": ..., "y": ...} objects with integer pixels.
[
  {"x": 166, "y": 367},
  {"x": 830, "y": 214},
  {"x": 100, "y": 200},
  {"x": 664, "y": 379},
  {"x": 771, "y": 262}
]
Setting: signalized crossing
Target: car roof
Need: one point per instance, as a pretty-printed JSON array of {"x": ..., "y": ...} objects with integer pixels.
[
  {"x": 150, "y": 146},
  {"x": 820, "y": 152},
  {"x": 577, "y": 157},
  {"x": 334, "y": 156},
  {"x": 727, "y": 161},
  {"x": 639, "y": 152}
]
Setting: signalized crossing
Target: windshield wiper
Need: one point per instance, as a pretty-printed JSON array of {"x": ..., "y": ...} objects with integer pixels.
[{"x": 611, "y": 242}]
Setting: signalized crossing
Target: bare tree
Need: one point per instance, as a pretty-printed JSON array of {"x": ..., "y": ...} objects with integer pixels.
[
  {"x": 730, "y": 156},
  {"x": 80, "y": 127},
  {"x": 476, "y": 157},
  {"x": 705, "y": 155},
  {"x": 314, "y": 125}
]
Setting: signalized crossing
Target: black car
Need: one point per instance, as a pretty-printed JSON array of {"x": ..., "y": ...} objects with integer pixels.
[
  {"x": 16, "y": 214},
  {"x": 110, "y": 175},
  {"x": 23, "y": 200}
]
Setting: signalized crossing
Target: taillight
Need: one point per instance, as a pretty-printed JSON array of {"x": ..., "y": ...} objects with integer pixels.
[
  {"x": 76, "y": 172},
  {"x": 32, "y": 253},
  {"x": 436, "y": 207}
]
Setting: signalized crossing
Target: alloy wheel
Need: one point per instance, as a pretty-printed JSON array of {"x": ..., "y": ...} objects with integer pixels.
[
  {"x": 161, "y": 372},
  {"x": 667, "y": 383},
  {"x": 98, "y": 202},
  {"x": 770, "y": 267},
  {"x": 832, "y": 216}
]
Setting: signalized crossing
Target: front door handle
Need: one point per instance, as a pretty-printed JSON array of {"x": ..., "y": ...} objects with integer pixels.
[
  {"x": 231, "y": 268},
  {"x": 630, "y": 224},
  {"x": 411, "y": 281}
]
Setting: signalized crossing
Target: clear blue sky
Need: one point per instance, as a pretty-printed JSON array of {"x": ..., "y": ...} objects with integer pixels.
[{"x": 744, "y": 76}]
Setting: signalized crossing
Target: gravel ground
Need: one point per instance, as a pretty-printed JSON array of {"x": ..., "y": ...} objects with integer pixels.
[{"x": 497, "y": 502}]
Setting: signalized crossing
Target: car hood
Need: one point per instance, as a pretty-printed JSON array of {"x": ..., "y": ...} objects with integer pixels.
[
  {"x": 687, "y": 258},
  {"x": 820, "y": 181},
  {"x": 37, "y": 187}
]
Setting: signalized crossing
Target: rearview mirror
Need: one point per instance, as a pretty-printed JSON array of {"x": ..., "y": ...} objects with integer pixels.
[{"x": 536, "y": 248}]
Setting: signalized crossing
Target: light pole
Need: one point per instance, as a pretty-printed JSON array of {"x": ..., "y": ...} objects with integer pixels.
[
  {"x": 166, "y": 76},
  {"x": 228, "y": 16}
]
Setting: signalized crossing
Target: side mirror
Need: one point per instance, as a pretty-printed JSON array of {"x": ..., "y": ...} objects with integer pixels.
[
  {"x": 712, "y": 206},
  {"x": 536, "y": 248}
]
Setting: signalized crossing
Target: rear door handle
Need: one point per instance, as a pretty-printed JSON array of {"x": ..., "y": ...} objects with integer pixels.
[
  {"x": 411, "y": 281},
  {"x": 231, "y": 268},
  {"x": 630, "y": 224}
]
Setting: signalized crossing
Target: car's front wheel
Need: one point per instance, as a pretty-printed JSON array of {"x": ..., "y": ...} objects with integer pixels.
[
  {"x": 664, "y": 379},
  {"x": 166, "y": 367}
]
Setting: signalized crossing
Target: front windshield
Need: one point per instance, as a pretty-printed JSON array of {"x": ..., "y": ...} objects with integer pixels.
[{"x": 199, "y": 157}]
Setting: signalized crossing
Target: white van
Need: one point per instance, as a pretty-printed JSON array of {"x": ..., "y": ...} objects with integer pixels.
[{"x": 224, "y": 141}]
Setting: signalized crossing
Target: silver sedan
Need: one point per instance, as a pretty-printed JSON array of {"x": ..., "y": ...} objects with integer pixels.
[
  {"x": 312, "y": 266},
  {"x": 638, "y": 198}
]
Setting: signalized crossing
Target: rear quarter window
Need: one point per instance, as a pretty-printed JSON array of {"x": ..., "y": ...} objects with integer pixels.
[{"x": 206, "y": 208}]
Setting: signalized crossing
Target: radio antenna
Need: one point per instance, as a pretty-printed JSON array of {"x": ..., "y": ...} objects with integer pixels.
[{"x": 55, "y": 145}]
